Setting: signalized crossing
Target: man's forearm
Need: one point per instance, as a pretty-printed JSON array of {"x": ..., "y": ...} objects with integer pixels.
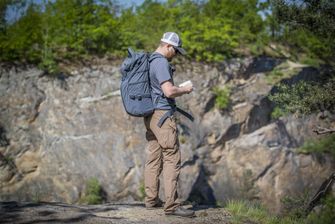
[
  {"x": 177, "y": 91},
  {"x": 172, "y": 91}
]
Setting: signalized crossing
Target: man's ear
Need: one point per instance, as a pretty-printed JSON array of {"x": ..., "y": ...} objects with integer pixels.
[{"x": 169, "y": 46}]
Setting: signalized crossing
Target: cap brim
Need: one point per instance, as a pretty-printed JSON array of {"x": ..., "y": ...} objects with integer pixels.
[{"x": 181, "y": 50}]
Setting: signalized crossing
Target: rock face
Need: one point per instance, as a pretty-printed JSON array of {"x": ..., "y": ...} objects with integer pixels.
[{"x": 56, "y": 133}]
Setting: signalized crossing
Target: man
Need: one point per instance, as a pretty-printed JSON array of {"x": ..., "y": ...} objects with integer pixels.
[{"x": 163, "y": 146}]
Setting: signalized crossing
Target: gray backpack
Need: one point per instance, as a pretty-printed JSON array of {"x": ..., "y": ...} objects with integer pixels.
[{"x": 135, "y": 86}]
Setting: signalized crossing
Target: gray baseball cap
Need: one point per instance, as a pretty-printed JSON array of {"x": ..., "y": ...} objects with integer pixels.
[{"x": 173, "y": 39}]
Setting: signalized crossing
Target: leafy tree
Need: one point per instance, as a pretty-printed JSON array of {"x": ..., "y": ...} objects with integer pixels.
[
  {"x": 153, "y": 19},
  {"x": 210, "y": 40},
  {"x": 22, "y": 39},
  {"x": 241, "y": 14},
  {"x": 310, "y": 23},
  {"x": 83, "y": 27},
  {"x": 56, "y": 30},
  {"x": 212, "y": 30}
]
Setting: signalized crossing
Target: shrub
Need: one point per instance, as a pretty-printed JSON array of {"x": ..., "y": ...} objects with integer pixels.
[
  {"x": 222, "y": 97},
  {"x": 93, "y": 192},
  {"x": 305, "y": 97},
  {"x": 295, "y": 207},
  {"x": 277, "y": 113},
  {"x": 323, "y": 145},
  {"x": 49, "y": 65},
  {"x": 326, "y": 215}
]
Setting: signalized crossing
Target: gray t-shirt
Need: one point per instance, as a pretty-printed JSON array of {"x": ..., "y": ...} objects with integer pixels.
[{"x": 160, "y": 71}]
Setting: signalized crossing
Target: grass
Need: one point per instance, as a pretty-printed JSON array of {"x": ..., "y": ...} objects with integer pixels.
[
  {"x": 327, "y": 213},
  {"x": 295, "y": 206},
  {"x": 282, "y": 71},
  {"x": 311, "y": 61},
  {"x": 249, "y": 212}
]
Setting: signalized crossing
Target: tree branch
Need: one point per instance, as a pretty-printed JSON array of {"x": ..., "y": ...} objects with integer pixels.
[{"x": 321, "y": 131}]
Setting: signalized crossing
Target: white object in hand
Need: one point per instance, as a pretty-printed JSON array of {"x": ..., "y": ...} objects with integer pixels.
[{"x": 187, "y": 83}]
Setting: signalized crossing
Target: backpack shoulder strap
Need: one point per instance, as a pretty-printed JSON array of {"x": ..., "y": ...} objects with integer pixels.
[
  {"x": 153, "y": 56},
  {"x": 169, "y": 113}
]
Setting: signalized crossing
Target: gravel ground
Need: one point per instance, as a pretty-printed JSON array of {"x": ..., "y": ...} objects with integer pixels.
[{"x": 120, "y": 213}]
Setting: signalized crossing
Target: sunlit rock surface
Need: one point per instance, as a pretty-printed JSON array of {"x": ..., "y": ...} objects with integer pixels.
[{"x": 58, "y": 132}]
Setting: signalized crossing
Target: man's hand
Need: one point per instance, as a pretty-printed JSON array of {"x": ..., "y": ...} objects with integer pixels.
[
  {"x": 171, "y": 91},
  {"x": 187, "y": 89}
]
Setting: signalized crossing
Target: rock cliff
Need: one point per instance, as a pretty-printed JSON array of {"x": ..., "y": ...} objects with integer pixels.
[{"x": 57, "y": 132}]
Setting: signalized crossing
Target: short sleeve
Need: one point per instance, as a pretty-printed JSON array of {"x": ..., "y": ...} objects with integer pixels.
[{"x": 161, "y": 69}]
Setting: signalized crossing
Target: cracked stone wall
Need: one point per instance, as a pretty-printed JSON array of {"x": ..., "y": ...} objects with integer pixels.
[{"x": 58, "y": 132}]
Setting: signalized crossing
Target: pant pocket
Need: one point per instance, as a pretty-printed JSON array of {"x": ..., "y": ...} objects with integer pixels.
[{"x": 168, "y": 134}]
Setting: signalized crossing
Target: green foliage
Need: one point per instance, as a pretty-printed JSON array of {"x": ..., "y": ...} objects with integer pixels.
[
  {"x": 212, "y": 30},
  {"x": 326, "y": 215},
  {"x": 93, "y": 192},
  {"x": 295, "y": 207},
  {"x": 72, "y": 29},
  {"x": 210, "y": 40},
  {"x": 311, "y": 61},
  {"x": 309, "y": 25},
  {"x": 48, "y": 63},
  {"x": 305, "y": 98},
  {"x": 323, "y": 145},
  {"x": 277, "y": 113},
  {"x": 282, "y": 71},
  {"x": 68, "y": 29},
  {"x": 251, "y": 212},
  {"x": 219, "y": 204},
  {"x": 248, "y": 212},
  {"x": 274, "y": 76},
  {"x": 142, "y": 191},
  {"x": 149, "y": 19},
  {"x": 308, "y": 43},
  {"x": 222, "y": 97},
  {"x": 22, "y": 39},
  {"x": 221, "y": 27}
]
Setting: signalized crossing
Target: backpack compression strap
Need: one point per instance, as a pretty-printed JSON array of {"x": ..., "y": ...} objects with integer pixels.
[{"x": 169, "y": 113}]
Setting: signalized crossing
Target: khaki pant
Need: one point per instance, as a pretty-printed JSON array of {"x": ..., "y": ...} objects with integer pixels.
[{"x": 162, "y": 154}]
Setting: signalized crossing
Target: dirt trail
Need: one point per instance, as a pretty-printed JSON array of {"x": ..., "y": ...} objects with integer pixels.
[{"x": 120, "y": 213}]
